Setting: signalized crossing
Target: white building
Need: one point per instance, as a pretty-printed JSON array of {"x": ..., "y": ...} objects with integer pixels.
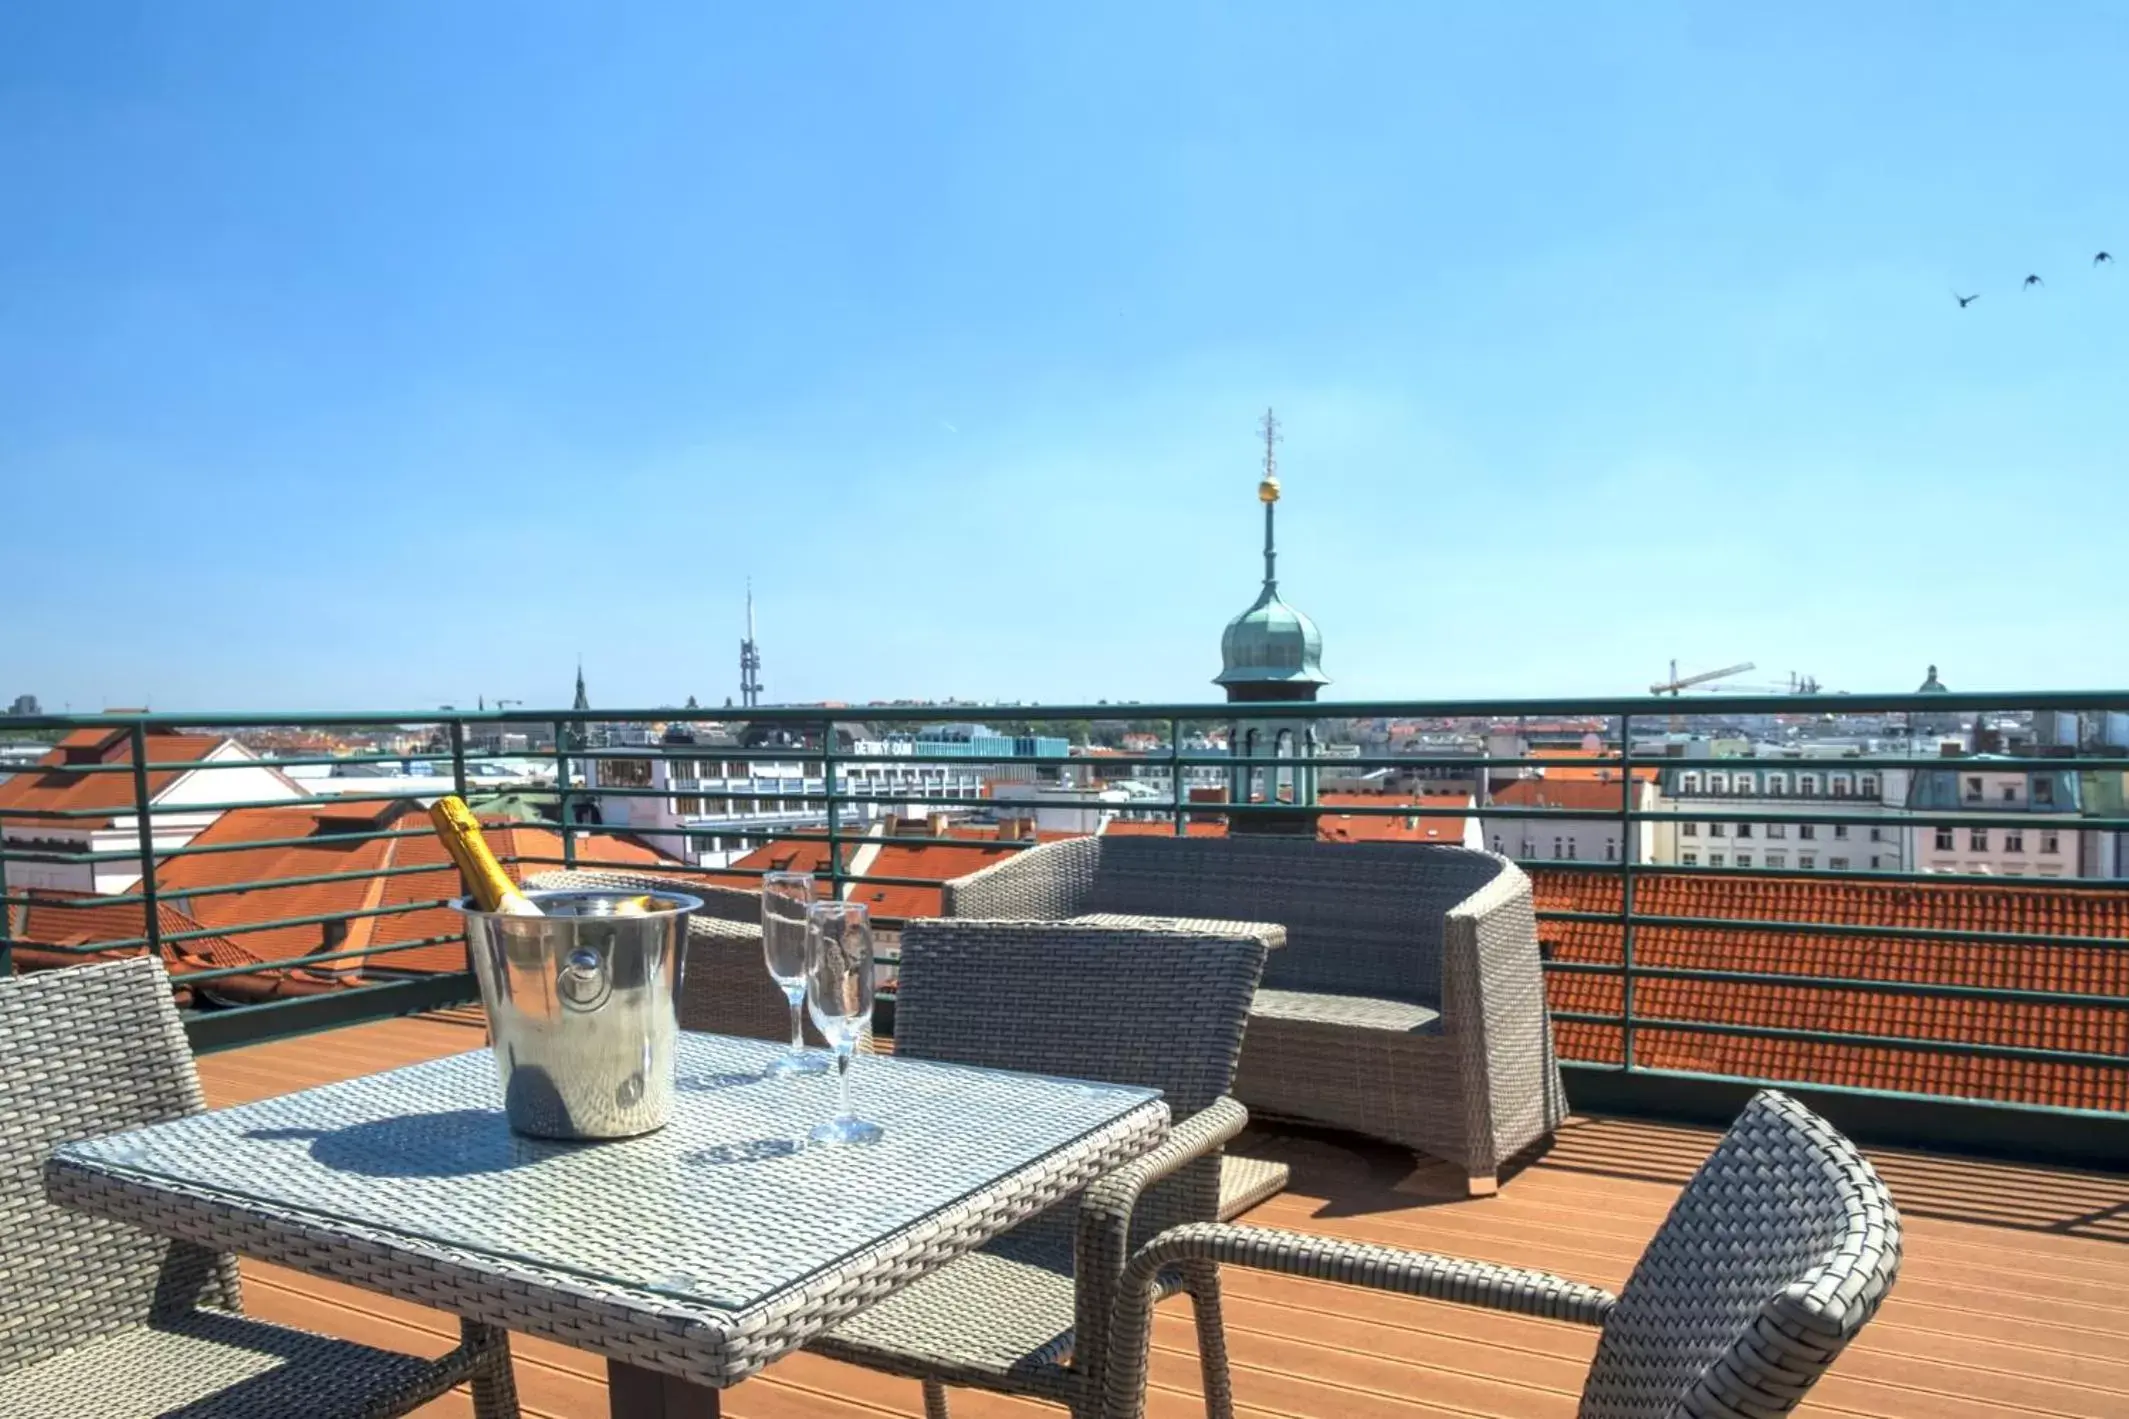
[
  {"x": 422, "y": 779},
  {"x": 1782, "y": 795},
  {"x": 1564, "y": 839},
  {"x": 82, "y": 779},
  {"x": 712, "y": 810},
  {"x": 1069, "y": 809}
]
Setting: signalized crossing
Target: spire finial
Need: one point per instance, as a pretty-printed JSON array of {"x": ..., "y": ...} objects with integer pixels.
[{"x": 1268, "y": 494}]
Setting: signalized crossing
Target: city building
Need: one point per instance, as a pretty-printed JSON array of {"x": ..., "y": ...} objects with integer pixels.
[
  {"x": 712, "y": 810},
  {"x": 76, "y": 800},
  {"x": 1783, "y": 796},
  {"x": 1271, "y": 653},
  {"x": 1969, "y": 788},
  {"x": 1576, "y": 839}
]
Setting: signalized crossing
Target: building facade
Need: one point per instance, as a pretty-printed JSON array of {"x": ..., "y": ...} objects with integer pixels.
[
  {"x": 1782, "y": 796},
  {"x": 712, "y": 811},
  {"x": 1972, "y": 792},
  {"x": 1568, "y": 839}
]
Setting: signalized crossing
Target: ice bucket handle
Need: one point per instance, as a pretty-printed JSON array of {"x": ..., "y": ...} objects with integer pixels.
[{"x": 584, "y": 980}]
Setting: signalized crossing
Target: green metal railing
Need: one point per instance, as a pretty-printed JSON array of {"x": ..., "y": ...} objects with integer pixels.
[{"x": 1627, "y": 1048}]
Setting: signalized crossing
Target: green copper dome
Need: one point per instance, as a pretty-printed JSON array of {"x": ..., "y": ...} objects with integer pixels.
[{"x": 1270, "y": 642}]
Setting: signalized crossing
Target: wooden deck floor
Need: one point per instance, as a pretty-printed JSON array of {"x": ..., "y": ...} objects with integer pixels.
[{"x": 2014, "y": 1298}]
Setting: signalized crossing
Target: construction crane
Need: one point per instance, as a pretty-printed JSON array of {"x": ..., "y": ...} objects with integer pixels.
[
  {"x": 1677, "y": 683},
  {"x": 1798, "y": 685}
]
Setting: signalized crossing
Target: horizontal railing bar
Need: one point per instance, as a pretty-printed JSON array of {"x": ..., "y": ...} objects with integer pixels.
[
  {"x": 1844, "y": 928},
  {"x": 2028, "y": 1054},
  {"x": 370, "y": 836},
  {"x": 1645, "y": 707},
  {"x": 263, "y": 884},
  {"x": 125, "y": 766},
  {"x": 319, "y": 919},
  {"x": 1645, "y": 768},
  {"x": 248, "y": 928},
  {"x": 267, "y": 884},
  {"x": 1934, "y": 990},
  {"x": 2110, "y": 1117},
  {"x": 1643, "y": 871},
  {"x": 167, "y": 811},
  {"x": 69, "y": 859},
  {"x": 291, "y": 962},
  {"x": 2056, "y": 820},
  {"x": 304, "y": 1014}
]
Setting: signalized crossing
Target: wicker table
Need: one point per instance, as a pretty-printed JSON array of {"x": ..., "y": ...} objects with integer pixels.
[{"x": 689, "y": 1258}]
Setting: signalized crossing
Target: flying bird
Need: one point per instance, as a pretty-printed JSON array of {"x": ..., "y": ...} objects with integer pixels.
[
  {"x": 2032, "y": 281},
  {"x": 1965, "y": 301},
  {"x": 2105, "y": 258}
]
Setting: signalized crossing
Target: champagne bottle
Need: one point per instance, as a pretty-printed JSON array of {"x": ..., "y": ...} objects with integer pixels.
[{"x": 461, "y": 833}]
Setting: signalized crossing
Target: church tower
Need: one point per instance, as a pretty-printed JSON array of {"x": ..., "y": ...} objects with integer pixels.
[{"x": 1270, "y": 654}]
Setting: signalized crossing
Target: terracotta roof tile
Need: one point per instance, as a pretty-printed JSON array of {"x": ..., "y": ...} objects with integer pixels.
[
  {"x": 51, "y": 786},
  {"x": 56, "y": 919},
  {"x": 2040, "y": 910},
  {"x": 1550, "y": 792}
]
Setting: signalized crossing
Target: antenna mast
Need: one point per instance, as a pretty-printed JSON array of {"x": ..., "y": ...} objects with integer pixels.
[{"x": 749, "y": 658}]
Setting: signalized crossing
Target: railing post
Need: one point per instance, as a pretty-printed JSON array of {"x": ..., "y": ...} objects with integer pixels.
[
  {"x": 1175, "y": 773},
  {"x": 458, "y": 758},
  {"x": 835, "y": 833},
  {"x": 561, "y": 783},
  {"x": 1626, "y": 891},
  {"x": 7, "y": 915},
  {"x": 145, "y": 833}
]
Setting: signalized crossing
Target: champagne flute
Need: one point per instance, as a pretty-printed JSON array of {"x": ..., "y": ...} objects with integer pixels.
[
  {"x": 784, "y": 899},
  {"x": 839, "y": 987}
]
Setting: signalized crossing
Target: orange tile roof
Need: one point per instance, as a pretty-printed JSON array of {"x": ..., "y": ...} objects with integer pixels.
[
  {"x": 1550, "y": 792},
  {"x": 51, "y": 786},
  {"x": 1141, "y": 828},
  {"x": 57, "y": 919},
  {"x": 330, "y": 841},
  {"x": 2050, "y": 910},
  {"x": 1375, "y": 828}
]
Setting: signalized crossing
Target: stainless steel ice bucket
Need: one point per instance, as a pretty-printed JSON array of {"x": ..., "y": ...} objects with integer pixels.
[{"x": 582, "y": 1008}]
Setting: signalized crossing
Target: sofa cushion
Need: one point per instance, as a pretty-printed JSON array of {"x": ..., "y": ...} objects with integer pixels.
[{"x": 1353, "y": 1012}]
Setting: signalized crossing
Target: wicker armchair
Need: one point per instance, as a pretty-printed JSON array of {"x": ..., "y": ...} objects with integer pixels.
[
  {"x": 724, "y": 983},
  {"x": 1781, "y": 1247},
  {"x": 1029, "y": 1314},
  {"x": 1407, "y": 1004},
  {"x": 97, "y": 1318}
]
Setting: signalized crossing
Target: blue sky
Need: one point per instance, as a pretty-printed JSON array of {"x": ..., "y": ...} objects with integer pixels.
[{"x": 386, "y": 355}]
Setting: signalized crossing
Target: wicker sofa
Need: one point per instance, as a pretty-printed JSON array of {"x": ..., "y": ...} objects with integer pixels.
[{"x": 1408, "y": 1002}]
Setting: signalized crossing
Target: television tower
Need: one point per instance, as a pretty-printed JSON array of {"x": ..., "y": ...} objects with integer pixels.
[{"x": 749, "y": 658}]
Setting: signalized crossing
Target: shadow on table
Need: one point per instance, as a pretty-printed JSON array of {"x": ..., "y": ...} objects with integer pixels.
[
  {"x": 752, "y": 1150},
  {"x": 706, "y": 1082},
  {"x": 451, "y": 1143}
]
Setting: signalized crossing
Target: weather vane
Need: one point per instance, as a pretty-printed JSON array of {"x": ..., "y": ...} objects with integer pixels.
[{"x": 1268, "y": 490}]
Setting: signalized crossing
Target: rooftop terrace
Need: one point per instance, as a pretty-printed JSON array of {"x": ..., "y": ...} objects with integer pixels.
[
  {"x": 2013, "y": 1299},
  {"x": 1973, "y": 1030}
]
